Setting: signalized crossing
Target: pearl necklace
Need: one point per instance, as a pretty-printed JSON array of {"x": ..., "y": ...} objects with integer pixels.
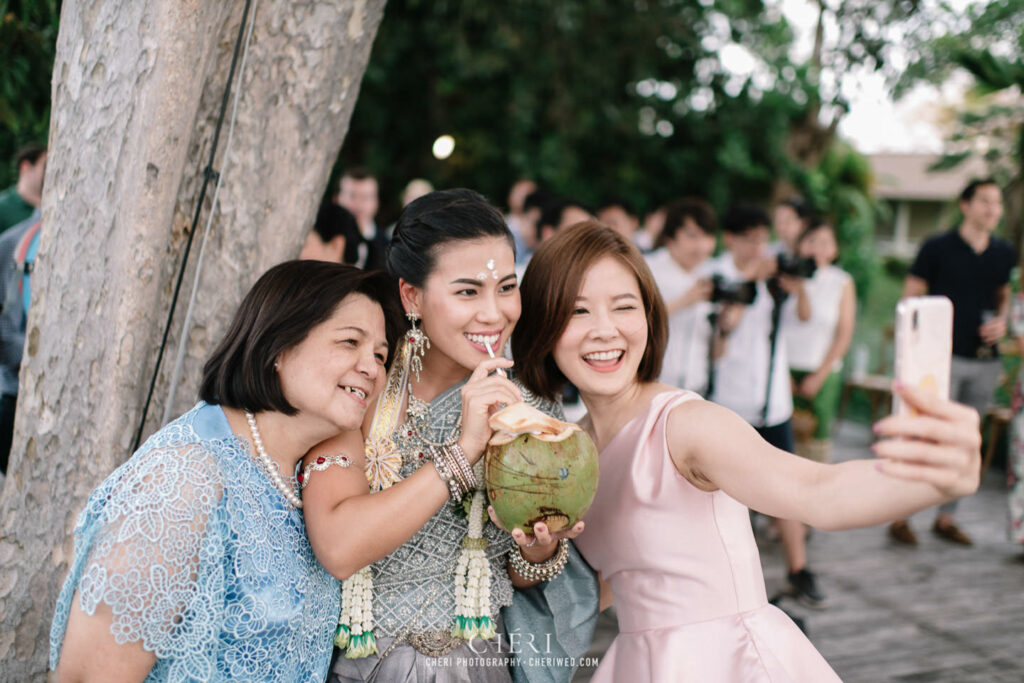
[{"x": 273, "y": 471}]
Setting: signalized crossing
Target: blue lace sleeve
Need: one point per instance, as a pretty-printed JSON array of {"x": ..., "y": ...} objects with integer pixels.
[{"x": 150, "y": 544}]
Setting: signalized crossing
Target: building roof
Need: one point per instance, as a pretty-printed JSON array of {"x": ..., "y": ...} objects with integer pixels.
[{"x": 906, "y": 176}]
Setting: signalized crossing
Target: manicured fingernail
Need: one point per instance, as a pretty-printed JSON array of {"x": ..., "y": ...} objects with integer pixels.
[
  {"x": 879, "y": 465},
  {"x": 877, "y": 428}
]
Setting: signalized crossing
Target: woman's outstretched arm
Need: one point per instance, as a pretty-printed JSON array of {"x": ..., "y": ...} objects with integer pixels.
[{"x": 922, "y": 460}]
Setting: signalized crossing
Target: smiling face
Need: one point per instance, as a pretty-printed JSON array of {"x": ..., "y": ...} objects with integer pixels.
[
  {"x": 333, "y": 374},
  {"x": 469, "y": 300},
  {"x": 604, "y": 342}
]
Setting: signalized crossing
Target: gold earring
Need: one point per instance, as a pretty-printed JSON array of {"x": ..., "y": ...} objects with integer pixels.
[{"x": 418, "y": 343}]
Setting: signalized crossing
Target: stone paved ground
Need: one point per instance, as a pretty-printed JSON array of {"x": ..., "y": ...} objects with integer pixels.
[{"x": 938, "y": 613}]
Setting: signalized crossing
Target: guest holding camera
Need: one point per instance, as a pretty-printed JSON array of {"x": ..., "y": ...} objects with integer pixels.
[
  {"x": 816, "y": 347},
  {"x": 790, "y": 218},
  {"x": 751, "y": 373},
  {"x": 680, "y": 270}
]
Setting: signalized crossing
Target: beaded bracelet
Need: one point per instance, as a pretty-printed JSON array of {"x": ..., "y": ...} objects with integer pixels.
[
  {"x": 542, "y": 571},
  {"x": 443, "y": 465},
  {"x": 458, "y": 457},
  {"x": 320, "y": 464},
  {"x": 454, "y": 472}
]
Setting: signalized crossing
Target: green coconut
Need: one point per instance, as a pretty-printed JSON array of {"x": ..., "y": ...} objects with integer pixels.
[{"x": 538, "y": 469}]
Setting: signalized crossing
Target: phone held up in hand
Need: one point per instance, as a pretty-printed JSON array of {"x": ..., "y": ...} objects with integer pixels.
[{"x": 924, "y": 346}]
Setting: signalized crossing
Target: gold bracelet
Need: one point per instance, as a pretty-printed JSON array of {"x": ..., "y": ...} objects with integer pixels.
[{"x": 540, "y": 571}]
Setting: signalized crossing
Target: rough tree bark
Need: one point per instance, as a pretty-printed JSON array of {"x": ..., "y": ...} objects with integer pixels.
[{"x": 136, "y": 89}]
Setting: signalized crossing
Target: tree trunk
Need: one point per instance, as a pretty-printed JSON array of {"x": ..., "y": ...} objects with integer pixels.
[{"x": 136, "y": 91}]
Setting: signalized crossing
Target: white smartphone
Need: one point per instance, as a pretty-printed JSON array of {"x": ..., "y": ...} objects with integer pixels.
[{"x": 924, "y": 346}]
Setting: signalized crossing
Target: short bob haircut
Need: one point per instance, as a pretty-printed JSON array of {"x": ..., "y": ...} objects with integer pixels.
[
  {"x": 549, "y": 290},
  {"x": 278, "y": 313}
]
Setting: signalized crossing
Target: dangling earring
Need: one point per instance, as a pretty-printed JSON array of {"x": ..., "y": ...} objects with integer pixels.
[{"x": 418, "y": 344}]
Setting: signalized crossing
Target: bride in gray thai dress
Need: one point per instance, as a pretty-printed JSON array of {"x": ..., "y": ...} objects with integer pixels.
[{"x": 433, "y": 590}]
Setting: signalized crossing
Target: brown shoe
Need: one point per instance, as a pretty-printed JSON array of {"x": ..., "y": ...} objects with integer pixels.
[
  {"x": 901, "y": 532},
  {"x": 951, "y": 532}
]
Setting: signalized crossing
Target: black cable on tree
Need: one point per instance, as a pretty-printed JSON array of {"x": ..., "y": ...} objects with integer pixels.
[{"x": 208, "y": 174}]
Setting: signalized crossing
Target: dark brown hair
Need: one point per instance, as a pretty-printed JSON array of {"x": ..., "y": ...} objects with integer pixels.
[
  {"x": 694, "y": 208},
  {"x": 549, "y": 290},
  {"x": 436, "y": 219},
  {"x": 30, "y": 153},
  {"x": 972, "y": 187},
  {"x": 279, "y": 311}
]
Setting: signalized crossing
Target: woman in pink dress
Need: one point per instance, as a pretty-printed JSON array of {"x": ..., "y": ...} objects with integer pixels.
[{"x": 669, "y": 529}]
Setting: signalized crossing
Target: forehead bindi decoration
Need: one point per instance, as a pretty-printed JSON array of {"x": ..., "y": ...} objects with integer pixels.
[{"x": 490, "y": 267}]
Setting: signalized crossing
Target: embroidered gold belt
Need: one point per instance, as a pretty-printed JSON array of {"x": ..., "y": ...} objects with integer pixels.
[{"x": 434, "y": 643}]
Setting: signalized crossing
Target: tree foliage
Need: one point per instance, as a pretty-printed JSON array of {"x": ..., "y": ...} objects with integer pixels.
[
  {"x": 592, "y": 98},
  {"x": 28, "y": 36},
  {"x": 986, "y": 43},
  {"x": 598, "y": 99}
]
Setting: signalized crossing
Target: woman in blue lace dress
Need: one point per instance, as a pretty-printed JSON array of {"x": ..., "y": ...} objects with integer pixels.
[
  {"x": 428, "y": 595},
  {"x": 191, "y": 559}
]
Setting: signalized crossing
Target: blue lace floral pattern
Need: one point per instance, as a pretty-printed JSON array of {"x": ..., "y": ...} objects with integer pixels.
[{"x": 203, "y": 561}]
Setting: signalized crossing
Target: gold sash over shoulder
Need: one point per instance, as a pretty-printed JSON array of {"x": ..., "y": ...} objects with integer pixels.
[{"x": 383, "y": 459}]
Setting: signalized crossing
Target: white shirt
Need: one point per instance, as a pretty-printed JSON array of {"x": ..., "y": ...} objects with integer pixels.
[
  {"x": 741, "y": 374},
  {"x": 685, "y": 364},
  {"x": 807, "y": 343}
]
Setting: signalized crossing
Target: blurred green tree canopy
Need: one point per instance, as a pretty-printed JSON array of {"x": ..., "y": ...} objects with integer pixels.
[
  {"x": 593, "y": 98},
  {"x": 28, "y": 39},
  {"x": 987, "y": 42},
  {"x": 641, "y": 102}
]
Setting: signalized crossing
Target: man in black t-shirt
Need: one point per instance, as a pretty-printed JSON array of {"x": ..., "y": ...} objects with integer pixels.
[{"x": 971, "y": 267}]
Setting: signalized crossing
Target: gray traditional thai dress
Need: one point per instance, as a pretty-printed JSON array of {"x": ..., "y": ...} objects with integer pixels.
[{"x": 414, "y": 590}]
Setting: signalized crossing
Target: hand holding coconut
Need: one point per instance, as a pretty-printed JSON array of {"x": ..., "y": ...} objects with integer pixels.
[{"x": 541, "y": 476}]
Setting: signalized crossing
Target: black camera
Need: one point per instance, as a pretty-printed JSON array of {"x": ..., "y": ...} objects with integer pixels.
[
  {"x": 795, "y": 266},
  {"x": 732, "y": 291}
]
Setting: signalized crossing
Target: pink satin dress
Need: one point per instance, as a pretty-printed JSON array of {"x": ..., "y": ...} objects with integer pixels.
[{"x": 685, "y": 572}]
